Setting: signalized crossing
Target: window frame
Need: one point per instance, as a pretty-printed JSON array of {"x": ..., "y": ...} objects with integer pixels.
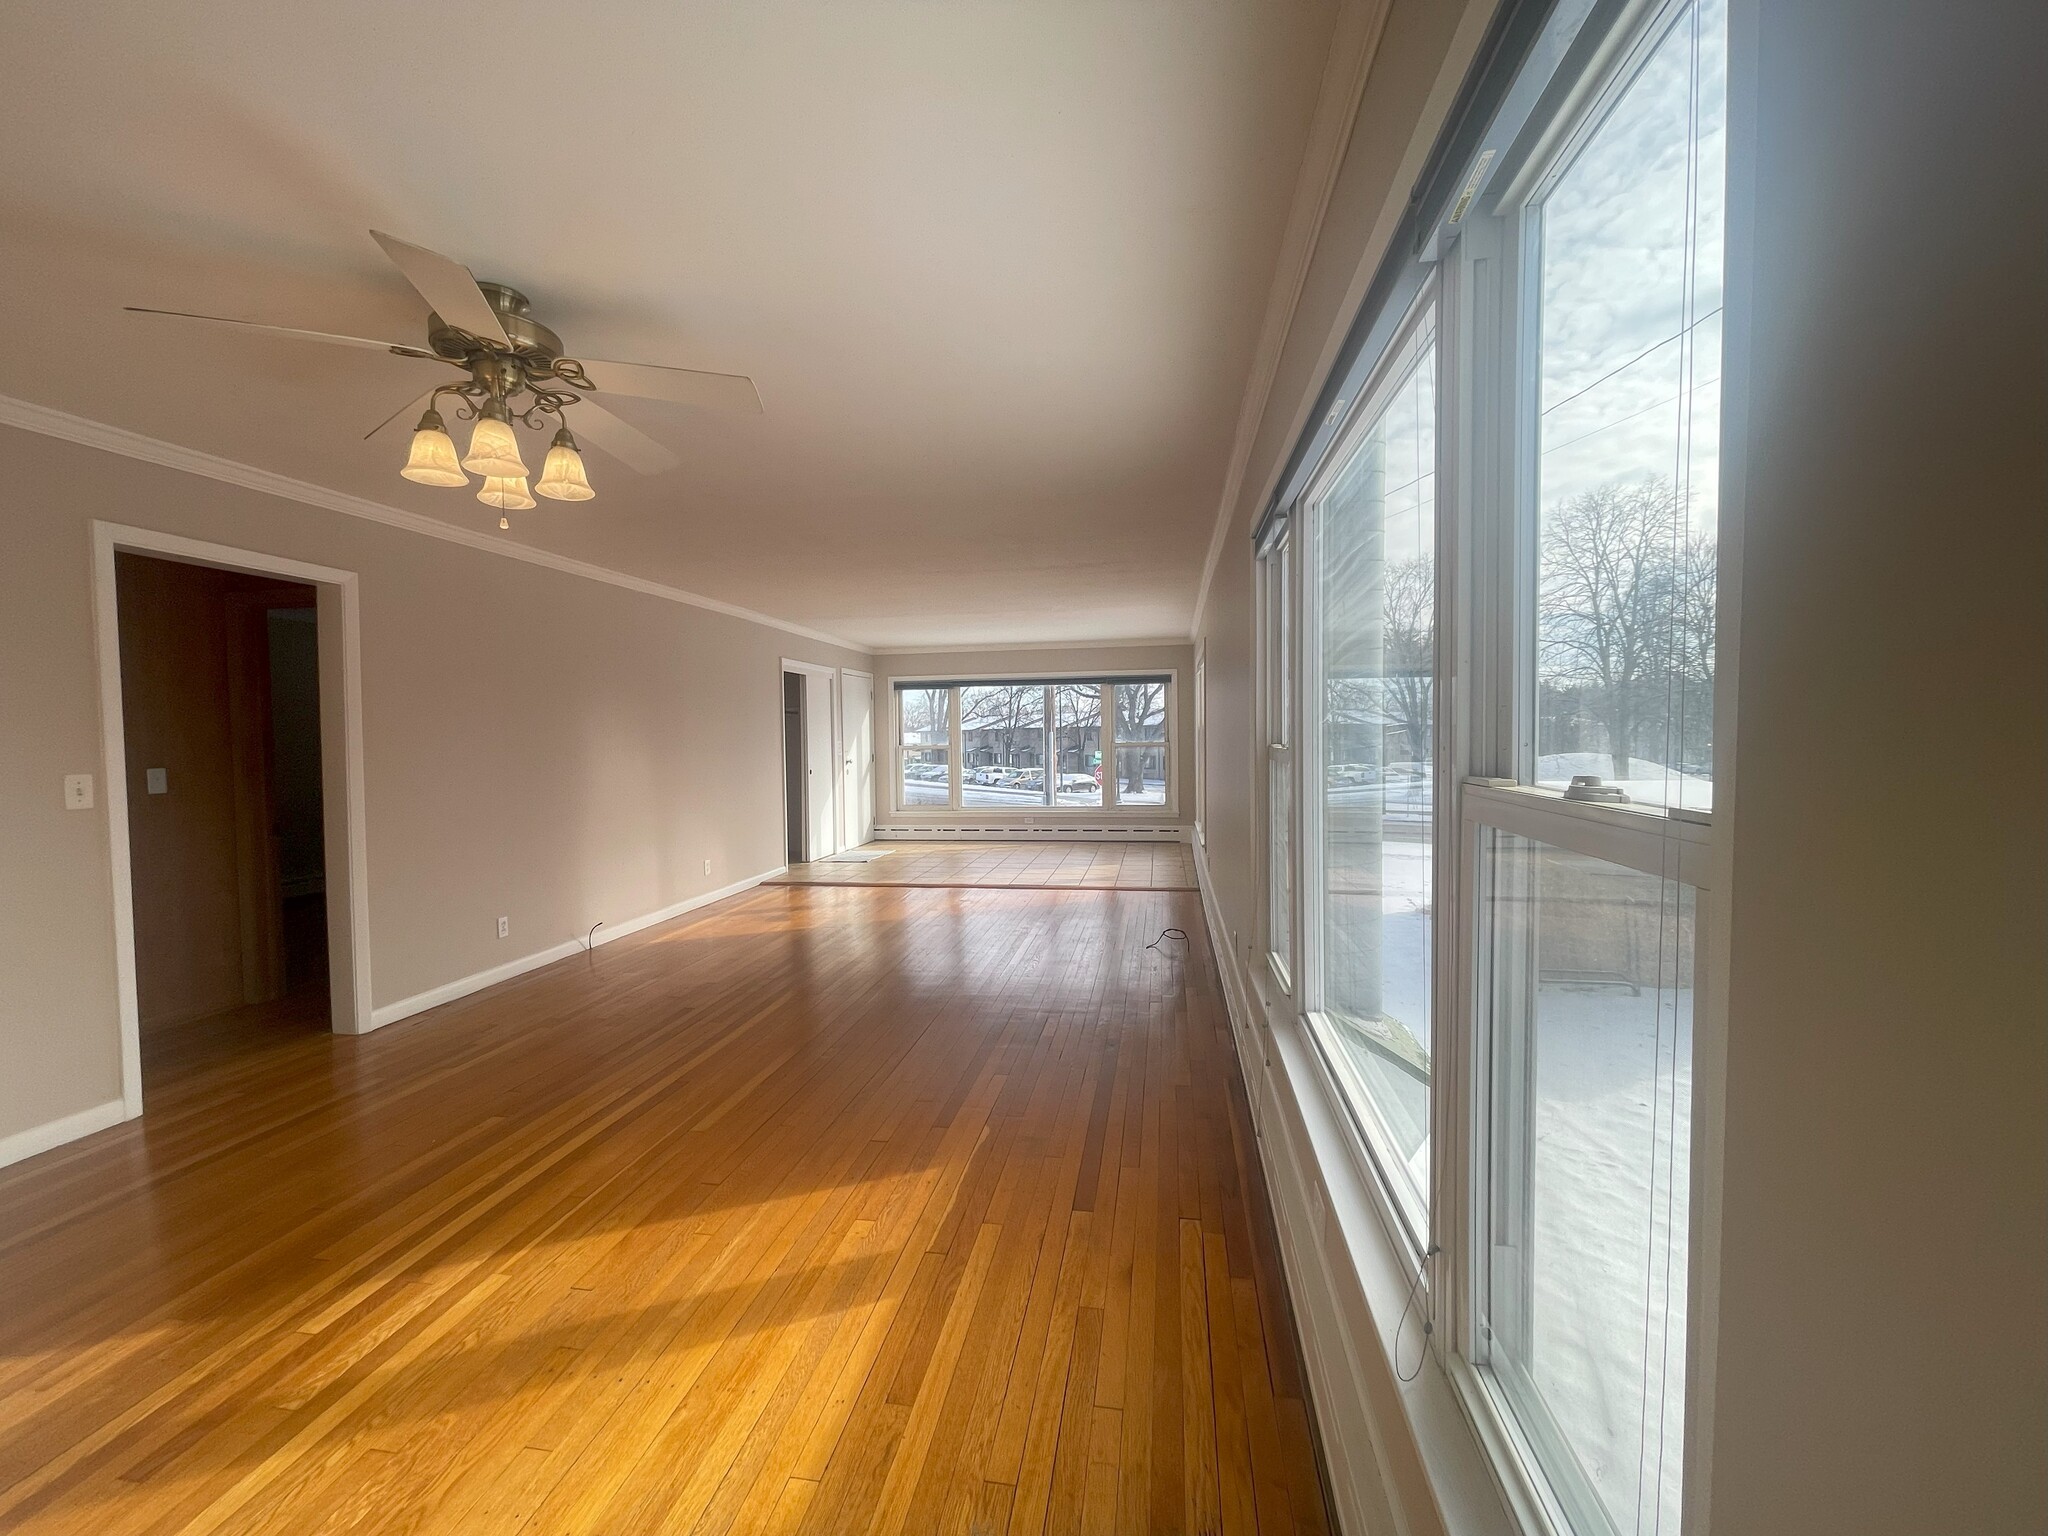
[
  {"x": 1110, "y": 812},
  {"x": 1480, "y": 270},
  {"x": 1372, "y": 1140},
  {"x": 1279, "y": 626},
  {"x": 951, "y": 746},
  {"x": 1496, "y": 278}
]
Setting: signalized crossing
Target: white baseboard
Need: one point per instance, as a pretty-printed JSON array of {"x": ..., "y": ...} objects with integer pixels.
[
  {"x": 1346, "y": 1281},
  {"x": 1341, "y": 1419},
  {"x": 463, "y": 986},
  {"x": 54, "y": 1133}
]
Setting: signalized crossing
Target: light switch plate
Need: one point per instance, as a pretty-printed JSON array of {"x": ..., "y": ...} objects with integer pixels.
[
  {"x": 157, "y": 780},
  {"x": 77, "y": 791}
]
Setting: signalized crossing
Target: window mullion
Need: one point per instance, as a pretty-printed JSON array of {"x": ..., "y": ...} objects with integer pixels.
[
  {"x": 953, "y": 740},
  {"x": 1111, "y": 789}
]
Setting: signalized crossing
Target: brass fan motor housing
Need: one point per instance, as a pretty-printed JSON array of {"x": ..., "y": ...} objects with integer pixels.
[{"x": 515, "y": 314}]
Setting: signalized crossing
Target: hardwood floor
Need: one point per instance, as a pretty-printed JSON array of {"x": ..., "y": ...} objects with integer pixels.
[
  {"x": 1035, "y": 865},
  {"x": 821, "y": 1211}
]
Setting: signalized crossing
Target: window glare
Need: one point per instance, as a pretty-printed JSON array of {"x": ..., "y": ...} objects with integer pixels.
[
  {"x": 1376, "y": 558},
  {"x": 1629, "y": 391}
]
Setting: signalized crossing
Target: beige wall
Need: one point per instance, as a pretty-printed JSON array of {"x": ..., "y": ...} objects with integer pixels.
[
  {"x": 538, "y": 745},
  {"x": 1174, "y": 657},
  {"x": 1882, "y": 1366}
]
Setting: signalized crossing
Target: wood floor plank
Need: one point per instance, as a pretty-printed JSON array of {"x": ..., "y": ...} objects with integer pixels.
[{"x": 848, "y": 1205}]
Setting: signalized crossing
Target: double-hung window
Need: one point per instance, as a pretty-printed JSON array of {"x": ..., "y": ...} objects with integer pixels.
[
  {"x": 1370, "y": 527},
  {"x": 1586, "y": 910},
  {"x": 1035, "y": 745},
  {"x": 1276, "y": 637},
  {"x": 1487, "y": 630}
]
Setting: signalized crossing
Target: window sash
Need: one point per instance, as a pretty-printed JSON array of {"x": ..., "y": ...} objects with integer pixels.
[{"x": 1408, "y": 1200}]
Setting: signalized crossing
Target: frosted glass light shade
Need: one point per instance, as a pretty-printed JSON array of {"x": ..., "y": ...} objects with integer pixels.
[
  {"x": 494, "y": 450},
  {"x": 432, "y": 459},
  {"x": 505, "y": 492},
  {"x": 562, "y": 477}
]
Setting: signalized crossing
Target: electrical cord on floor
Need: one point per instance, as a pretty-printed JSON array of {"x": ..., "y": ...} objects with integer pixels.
[
  {"x": 1428, "y": 1323},
  {"x": 590, "y": 938},
  {"x": 1168, "y": 933}
]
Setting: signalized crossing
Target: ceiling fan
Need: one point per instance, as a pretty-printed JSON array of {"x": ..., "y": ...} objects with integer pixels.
[{"x": 488, "y": 332}]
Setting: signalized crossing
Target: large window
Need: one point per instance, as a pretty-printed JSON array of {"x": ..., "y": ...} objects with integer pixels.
[
  {"x": 1487, "y": 595},
  {"x": 1588, "y": 929},
  {"x": 1035, "y": 745},
  {"x": 1372, "y": 525}
]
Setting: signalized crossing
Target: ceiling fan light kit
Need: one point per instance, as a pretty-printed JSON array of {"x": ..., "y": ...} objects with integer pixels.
[
  {"x": 432, "y": 459},
  {"x": 505, "y": 492},
  {"x": 494, "y": 446},
  {"x": 517, "y": 374},
  {"x": 562, "y": 477}
]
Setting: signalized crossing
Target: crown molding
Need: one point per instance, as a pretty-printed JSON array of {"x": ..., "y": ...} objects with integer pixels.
[
  {"x": 1029, "y": 645},
  {"x": 49, "y": 422},
  {"x": 1353, "y": 45}
]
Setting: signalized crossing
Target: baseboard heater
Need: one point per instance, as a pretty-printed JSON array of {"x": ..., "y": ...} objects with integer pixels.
[{"x": 1012, "y": 831}]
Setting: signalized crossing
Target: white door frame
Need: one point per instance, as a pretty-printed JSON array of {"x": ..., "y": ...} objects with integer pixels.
[
  {"x": 834, "y": 836},
  {"x": 341, "y": 763}
]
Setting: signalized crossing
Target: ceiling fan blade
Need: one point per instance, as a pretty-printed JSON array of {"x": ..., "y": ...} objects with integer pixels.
[
  {"x": 293, "y": 332},
  {"x": 417, "y": 403},
  {"x": 685, "y": 386},
  {"x": 621, "y": 439},
  {"x": 448, "y": 287}
]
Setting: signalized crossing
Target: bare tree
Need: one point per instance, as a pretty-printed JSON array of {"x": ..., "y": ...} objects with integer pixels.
[
  {"x": 1607, "y": 598},
  {"x": 1008, "y": 721},
  {"x": 1408, "y": 634},
  {"x": 1140, "y": 716}
]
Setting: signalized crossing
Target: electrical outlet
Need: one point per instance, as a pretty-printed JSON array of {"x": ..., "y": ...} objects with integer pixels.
[
  {"x": 504, "y": 927},
  {"x": 707, "y": 866}
]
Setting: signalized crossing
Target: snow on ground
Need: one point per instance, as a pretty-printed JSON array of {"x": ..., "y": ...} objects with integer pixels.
[
  {"x": 1611, "y": 1129},
  {"x": 1610, "y": 1187}
]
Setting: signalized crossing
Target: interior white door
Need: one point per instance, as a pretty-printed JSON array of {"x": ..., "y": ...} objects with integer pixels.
[
  {"x": 821, "y": 797},
  {"x": 857, "y": 760}
]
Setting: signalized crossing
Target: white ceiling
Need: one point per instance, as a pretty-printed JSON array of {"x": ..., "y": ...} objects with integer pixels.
[{"x": 997, "y": 266}]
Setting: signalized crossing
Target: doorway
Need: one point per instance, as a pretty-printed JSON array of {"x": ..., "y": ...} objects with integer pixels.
[
  {"x": 793, "y": 767},
  {"x": 220, "y": 714},
  {"x": 268, "y": 948}
]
